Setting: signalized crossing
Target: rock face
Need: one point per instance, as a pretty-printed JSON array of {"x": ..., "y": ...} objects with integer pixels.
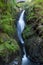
[
  {"x": 33, "y": 34},
  {"x": 35, "y": 49}
]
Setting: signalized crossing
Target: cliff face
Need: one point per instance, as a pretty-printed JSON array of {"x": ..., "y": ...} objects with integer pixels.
[{"x": 33, "y": 34}]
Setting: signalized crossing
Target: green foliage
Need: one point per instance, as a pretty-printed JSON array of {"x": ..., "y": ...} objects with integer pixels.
[
  {"x": 7, "y": 45},
  {"x": 8, "y": 13},
  {"x": 34, "y": 18},
  {"x": 7, "y": 16},
  {"x": 7, "y": 28},
  {"x": 28, "y": 32},
  {"x": 33, "y": 33}
]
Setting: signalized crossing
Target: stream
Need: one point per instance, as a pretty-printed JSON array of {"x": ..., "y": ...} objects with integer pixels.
[{"x": 25, "y": 61}]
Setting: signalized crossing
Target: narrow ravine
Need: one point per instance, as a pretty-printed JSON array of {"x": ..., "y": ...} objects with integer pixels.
[
  {"x": 21, "y": 32},
  {"x": 20, "y": 28}
]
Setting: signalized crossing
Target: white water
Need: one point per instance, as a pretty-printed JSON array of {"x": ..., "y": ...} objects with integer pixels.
[
  {"x": 25, "y": 60},
  {"x": 21, "y": 26}
]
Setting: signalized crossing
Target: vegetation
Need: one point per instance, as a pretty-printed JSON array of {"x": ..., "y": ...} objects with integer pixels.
[
  {"x": 8, "y": 45},
  {"x": 33, "y": 33},
  {"x": 34, "y": 18}
]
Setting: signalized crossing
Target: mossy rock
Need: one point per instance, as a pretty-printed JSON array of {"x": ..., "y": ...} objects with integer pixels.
[
  {"x": 33, "y": 33},
  {"x": 9, "y": 49}
]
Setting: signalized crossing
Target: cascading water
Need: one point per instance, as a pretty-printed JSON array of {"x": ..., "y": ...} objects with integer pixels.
[{"x": 20, "y": 28}]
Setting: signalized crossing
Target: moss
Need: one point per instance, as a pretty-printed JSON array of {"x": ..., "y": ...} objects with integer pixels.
[
  {"x": 8, "y": 43},
  {"x": 8, "y": 47}
]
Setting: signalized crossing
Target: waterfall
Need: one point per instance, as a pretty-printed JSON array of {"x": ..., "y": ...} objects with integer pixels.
[{"x": 21, "y": 26}]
